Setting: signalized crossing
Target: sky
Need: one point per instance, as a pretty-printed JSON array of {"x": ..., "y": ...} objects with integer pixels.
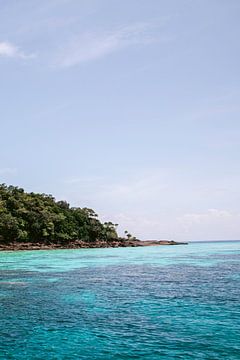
[{"x": 127, "y": 107}]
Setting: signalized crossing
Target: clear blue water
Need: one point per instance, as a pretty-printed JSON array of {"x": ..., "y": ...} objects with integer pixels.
[{"x": 176, "y": 302}]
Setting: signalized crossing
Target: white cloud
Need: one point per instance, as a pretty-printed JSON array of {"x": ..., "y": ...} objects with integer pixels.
[
  {"x": 92, "y": 46},
  {"x": 142, "y": 226},
  {"x": 199, "y": 218},
  {"x": 213, "y": 224},
  {"x": 147, "y": 187},
  {"x": 158, "y": 204},
  {"x": 10, "y": 50}
]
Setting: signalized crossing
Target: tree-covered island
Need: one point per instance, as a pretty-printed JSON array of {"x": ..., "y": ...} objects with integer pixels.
[{"x": 38, "y": 221}]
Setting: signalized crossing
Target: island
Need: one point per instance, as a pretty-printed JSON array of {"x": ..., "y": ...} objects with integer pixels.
[{"x": 33, "y": 221}]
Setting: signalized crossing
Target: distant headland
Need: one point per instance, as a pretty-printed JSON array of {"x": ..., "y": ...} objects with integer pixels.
[{"x": 31, "y": 221}]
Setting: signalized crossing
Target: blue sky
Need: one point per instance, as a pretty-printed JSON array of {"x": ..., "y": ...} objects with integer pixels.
[{"x": 128, "y": 107}]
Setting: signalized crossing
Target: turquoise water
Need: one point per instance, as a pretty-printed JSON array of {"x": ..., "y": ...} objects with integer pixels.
[{"x": 176, "y": 302}]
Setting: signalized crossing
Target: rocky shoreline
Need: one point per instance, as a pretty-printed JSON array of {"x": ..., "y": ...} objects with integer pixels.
[{"x": 78, "y": 244}]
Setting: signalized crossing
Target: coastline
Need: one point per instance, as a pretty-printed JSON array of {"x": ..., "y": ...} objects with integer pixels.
[{"x": 78, "y": 244}]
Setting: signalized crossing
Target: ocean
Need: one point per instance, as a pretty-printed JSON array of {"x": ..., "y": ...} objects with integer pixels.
[{"x": 161, "y": 302}]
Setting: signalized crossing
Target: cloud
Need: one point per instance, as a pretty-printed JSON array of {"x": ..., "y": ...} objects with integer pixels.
[
  {"x": 157, "y": 203},
  {"x": 10, "y": 50},
  {"x": 203, "y": 217},
  {"x": 147, "y": 187},
  {"x": 93, "y": 46},
  {"x": 213, "y": 224},
  {"x": 142, "y": 226}
]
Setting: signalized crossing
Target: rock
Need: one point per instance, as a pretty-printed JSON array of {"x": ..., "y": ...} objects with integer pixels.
[{"x": 79, "y": 244}]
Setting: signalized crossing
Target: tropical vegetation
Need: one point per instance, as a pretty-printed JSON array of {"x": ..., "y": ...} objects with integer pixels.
[{"x": 33, "y": 217}]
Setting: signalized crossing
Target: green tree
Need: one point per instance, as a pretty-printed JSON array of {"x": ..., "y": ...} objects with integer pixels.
[{"x": 40, "y": 218}]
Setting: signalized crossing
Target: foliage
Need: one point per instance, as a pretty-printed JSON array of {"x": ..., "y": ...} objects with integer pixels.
[
  {"x": 31, "y": 217},
  {"x": 129, "y": 236}
]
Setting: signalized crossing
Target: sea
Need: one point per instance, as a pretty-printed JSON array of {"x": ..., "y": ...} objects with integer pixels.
[{"x": 160, "y": 302}]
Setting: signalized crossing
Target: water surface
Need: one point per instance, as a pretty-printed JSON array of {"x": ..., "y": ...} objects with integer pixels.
[{"x": 166, "y": 302}]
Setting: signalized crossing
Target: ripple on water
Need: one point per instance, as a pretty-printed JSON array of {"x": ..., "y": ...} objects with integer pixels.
[{"x": 158, "y": 303}]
